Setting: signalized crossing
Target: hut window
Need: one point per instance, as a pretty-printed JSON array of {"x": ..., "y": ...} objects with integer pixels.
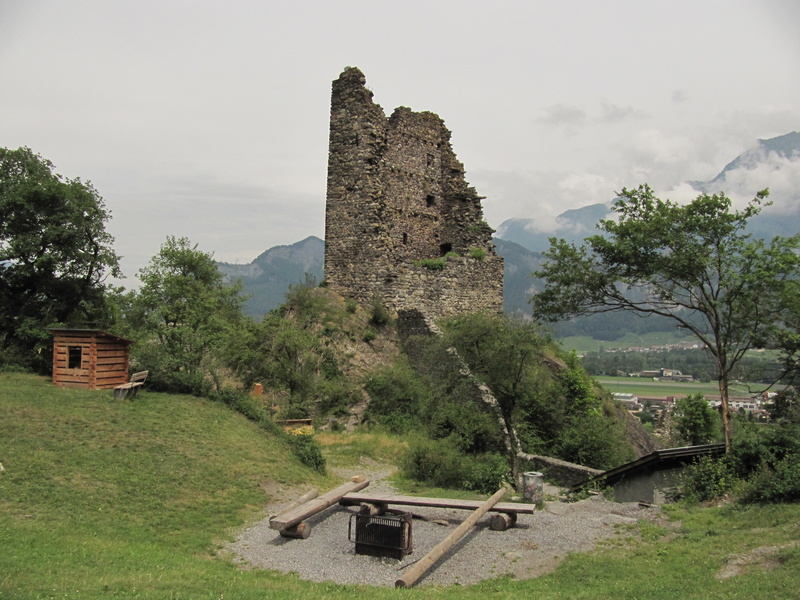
[
  {"x": 405, "y": 238},
  {"x": 445, "y": 248},
  {"x": 430, "y": 200},
  {"x": 74, "y": 356}
]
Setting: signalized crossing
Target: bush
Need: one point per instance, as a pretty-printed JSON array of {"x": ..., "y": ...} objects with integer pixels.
[
  {"x": 434, "y": 264},
  {"x": 477, "y": 253},
  {"x": 780, "y": 483},
  {"x": 397, "y": 396},
  {"x": 380, "y": 315},
  {"x": 439, "y": 463},
  {"x": 706, "y": 479},
  {"x": 308, "y": 451}
]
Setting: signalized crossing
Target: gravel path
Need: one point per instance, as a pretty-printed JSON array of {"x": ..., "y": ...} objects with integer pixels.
[{"x": 536, "y": 545}]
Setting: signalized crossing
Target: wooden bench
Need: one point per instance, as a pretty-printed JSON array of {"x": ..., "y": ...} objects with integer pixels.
[
  {"x": 504, "y": 513},
  {"x": 132, "y": 387},
  {"x": 503, "y": 507}
]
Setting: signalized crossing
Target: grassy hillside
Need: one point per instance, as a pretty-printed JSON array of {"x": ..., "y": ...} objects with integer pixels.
[{"x": 107, "y": 499}]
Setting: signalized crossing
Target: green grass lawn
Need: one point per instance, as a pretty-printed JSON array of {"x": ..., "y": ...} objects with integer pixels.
[{"x": 118, "y": 499}]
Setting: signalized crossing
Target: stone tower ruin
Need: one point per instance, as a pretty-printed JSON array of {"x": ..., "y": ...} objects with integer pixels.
[{"x": 401, "y": 222}]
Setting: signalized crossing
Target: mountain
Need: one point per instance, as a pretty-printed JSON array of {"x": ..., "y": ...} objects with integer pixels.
[
  {"x": 269, "y": 276},
  {"x": 572, "y": 225},
  {"x": 784, "y": 146},
  {"x": 518, "y": 285},
  {"x": 773, "y": 163}
]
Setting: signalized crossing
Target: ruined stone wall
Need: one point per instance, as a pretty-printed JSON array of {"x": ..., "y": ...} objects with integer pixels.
[{"x": 396, "y": 195}]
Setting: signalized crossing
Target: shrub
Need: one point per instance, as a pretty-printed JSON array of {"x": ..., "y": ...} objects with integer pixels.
[
  {"x": 380, "y": 315},
  {"x": 434, "y": 264},
  {"x": 350, "y": 305},
  {"x": 439, "y": 463},
  {"x": 369, "y": 335},
  {"x": 308, "y": 451},
  {"x": 706, "y": 479},
  {"x": 397, "y": 396},
  {"x": 477, "y": 253},
  {"x": 780, "y": 483}
]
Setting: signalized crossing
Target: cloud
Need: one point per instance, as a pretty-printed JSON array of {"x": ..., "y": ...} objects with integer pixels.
[
  {"x": 781, "y": 175},
  {"x": 562, "y": 115},
  {"x": 613, "y": 113},
  {"x": 236, "y": 221},
  {"x": 679, "y": 96},
  {"x": 539, "y": 195}
]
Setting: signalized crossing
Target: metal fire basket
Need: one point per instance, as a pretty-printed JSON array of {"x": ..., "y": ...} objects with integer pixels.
[{"x": 384, "y": 535}]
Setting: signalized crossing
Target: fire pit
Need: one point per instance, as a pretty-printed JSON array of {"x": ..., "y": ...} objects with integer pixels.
[{"x": 384, "y": 535}]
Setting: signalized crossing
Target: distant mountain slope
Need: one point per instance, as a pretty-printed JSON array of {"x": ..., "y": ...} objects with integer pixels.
[
  {"x": 773, "y": 163},
  {"x": 518, "y": 285},
  {"x": 784, "y": 146},
  {"x": 269, "y": 276},
  {"x": 573, "y": 225}
]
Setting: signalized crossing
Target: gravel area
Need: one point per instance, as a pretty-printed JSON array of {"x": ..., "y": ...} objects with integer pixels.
[{"x": 536, "y": 545}]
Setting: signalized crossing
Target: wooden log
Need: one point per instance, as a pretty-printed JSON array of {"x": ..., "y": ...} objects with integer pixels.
[
  {"x": 310, "y": 495},
  {"x": 293, "y": 517},
  {"x": 301, "y": 531},
  {"x": 430, "y": 559},
  {"x": 372, "y": 509},
  {"x": 506, "y": 507},
  {"x": 502, "y": 521}
]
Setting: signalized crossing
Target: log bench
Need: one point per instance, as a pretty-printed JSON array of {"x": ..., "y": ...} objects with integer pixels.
[
  {"x": 505, "y": 512},
  {"x": 132, "y": 387}
]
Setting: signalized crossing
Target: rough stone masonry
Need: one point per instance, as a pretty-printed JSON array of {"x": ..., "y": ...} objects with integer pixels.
[{"x": 397, "y": 204}]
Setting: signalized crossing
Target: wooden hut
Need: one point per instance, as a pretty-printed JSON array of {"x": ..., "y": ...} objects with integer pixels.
[{"x": 89, "y": 359}]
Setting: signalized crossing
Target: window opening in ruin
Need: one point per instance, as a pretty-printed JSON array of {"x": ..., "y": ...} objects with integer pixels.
[
  {"x": 430, "y": 160},
  {"x": 445, "y": 248},
  {"x": 74, "y": 356},
  {"x": 430, "y": 200},
  {"x": 405, "y": 238}
]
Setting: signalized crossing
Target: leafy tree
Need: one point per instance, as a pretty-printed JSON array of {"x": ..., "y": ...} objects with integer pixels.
[
  {"x": 694, "y": 264},
  {"x": 291, "y": 351},
  {"x": 696, "y": 420},
  {"x": 181, "y": 317},
  {"x": 55, "y": 255},
  {"x": 544, "y": 400}
]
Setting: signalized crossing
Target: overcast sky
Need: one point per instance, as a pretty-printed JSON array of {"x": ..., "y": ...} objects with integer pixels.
[{"x": 210, "y": 120}]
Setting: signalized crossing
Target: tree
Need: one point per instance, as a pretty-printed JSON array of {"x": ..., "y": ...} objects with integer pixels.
[
  {"x": 696, "y": 420},
  {"x": 546, "y": 401},
  {"x": 182, "y": 317},
  {"x": 694, "y": 264},
  {"x": 55, "y": 255}
]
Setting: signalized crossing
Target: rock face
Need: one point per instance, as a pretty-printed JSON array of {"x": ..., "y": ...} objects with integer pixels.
[{"x": 397, "y": 205}]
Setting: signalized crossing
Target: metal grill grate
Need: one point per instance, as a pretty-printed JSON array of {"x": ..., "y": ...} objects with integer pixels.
[{"x": 385, "y": 535}]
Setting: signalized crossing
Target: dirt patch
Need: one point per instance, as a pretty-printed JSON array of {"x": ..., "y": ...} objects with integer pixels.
[{"x": 759, "y": 559}]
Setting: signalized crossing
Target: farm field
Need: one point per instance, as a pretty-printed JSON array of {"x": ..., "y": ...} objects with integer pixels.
[
  {"x": 583, "y": 344},
  {"x": 657, "y": 389}
]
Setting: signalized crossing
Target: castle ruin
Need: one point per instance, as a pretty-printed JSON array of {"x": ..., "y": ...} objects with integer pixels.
[{"x": 401, "y": 222}]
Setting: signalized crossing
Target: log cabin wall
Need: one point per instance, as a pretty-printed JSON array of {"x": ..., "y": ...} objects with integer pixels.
[{"x": 89, "y": 359}]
